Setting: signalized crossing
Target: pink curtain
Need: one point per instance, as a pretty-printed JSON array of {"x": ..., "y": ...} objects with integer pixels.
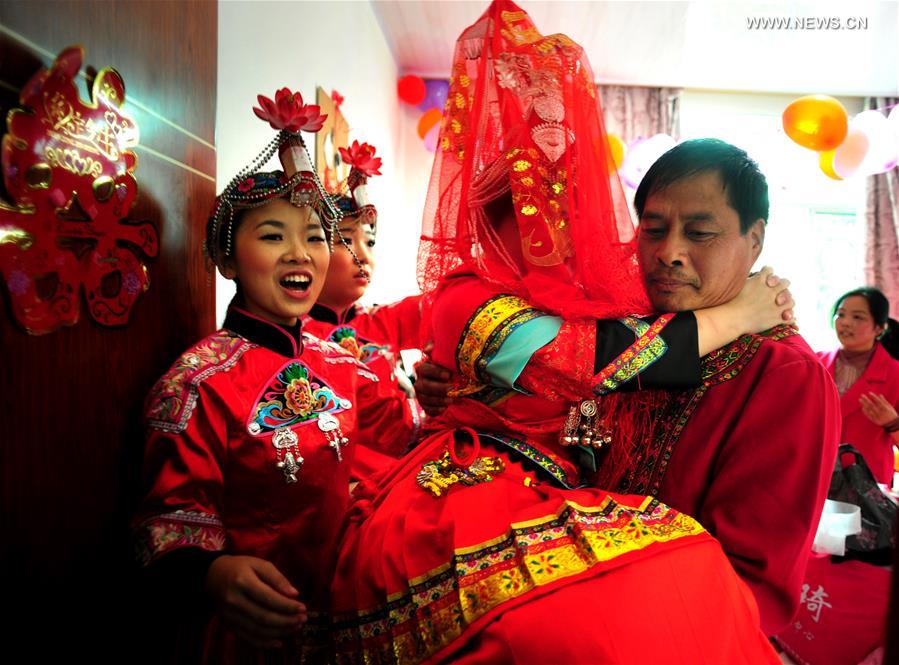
[
  {"x": 634, "y": 112},
  {"x": 882, "y": 226}
]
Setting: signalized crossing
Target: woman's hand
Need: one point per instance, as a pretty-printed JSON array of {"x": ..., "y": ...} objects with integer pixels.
[
  {"x": 764, "y": 302},
  {"x": 255, "y": 599},
  {"x": 878, "y": 410}
]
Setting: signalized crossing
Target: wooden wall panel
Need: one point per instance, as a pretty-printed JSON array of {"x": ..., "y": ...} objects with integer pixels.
[{"x": 70, "y": 401}]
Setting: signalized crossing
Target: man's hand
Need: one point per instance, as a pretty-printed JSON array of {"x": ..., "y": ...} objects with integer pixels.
[
  {"x": 431, "y": 386},
  {"x": 255, "y": 599}
]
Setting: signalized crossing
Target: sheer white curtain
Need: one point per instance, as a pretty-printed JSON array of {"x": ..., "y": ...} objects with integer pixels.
[{"x": 634, "y": 112}]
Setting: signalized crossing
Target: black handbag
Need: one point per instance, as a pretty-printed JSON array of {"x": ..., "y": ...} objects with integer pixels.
[{"x": 852, "y": 482}]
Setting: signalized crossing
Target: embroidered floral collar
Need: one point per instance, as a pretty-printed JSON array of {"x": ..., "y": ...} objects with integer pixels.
[
  {"x": 287, "y": 341},
  {"x": 327, "y": 315}
]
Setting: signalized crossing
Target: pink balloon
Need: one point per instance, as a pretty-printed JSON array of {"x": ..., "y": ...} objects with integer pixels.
[
  {"x": 850, "y": 154},
  {"x": 431, "y": 138},
  {"x": 882, "y": 147}
]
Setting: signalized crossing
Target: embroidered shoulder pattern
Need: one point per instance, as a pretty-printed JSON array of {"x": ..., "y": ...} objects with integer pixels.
[
  {"x": 487, "y": 329},
  {"x": 295, "y": 396},
  {"x": 725, "y": 363},
  {"x": 173, "y": 398},
  {"x": 483, "y": 336}
]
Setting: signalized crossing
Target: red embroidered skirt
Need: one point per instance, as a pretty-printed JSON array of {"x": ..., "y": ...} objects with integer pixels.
[{"x": 514, "y": 569}]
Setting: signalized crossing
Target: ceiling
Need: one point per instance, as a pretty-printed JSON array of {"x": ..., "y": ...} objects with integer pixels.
[{"x": 704, "y": 45}]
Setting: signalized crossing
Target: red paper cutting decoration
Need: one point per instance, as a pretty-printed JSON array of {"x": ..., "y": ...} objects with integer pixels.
[{"x": 68, "y": 169}]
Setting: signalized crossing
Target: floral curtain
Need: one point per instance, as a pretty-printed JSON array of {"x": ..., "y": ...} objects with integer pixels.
[{"x": 882, "y": 225}]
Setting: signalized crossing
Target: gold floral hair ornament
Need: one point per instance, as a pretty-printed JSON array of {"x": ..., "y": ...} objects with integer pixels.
[
  {"x": 252, "y": 188},
  {"x": 363, "y": 165}
]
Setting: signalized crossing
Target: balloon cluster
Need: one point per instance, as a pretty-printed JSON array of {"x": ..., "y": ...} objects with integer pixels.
[
  {"x": 866, "y": 145},
  {"x": 429, "y": 96}
]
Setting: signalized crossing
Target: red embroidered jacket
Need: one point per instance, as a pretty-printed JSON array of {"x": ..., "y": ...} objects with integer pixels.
[
  {"x": 749, "y": 454},
  {"x": 395, "y": 326},
  {"x": 375, "y": 336},
  {"x": 881, "y": 376}
]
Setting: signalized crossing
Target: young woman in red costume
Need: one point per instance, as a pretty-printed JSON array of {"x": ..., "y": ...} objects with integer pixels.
[
  {"x": 866, "y": 371},
  {"x": 375, "y": 335},
  {"x": 484, "y": 544},
  {"x": 252, "y": 432}
]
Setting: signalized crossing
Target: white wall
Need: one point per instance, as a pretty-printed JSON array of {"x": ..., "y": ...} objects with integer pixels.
[{"x": 265, "y": 45}]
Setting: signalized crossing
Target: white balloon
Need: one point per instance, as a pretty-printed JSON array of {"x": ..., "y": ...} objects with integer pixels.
[
  {"x": 882, "y": 144},
  {"x": 850, "y": 154},
  {"x": 641, "y": 155},
  {"x": 893, "y": 118}
]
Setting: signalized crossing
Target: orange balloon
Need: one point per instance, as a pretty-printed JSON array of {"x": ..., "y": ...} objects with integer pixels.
[
  {"x": 427, "y": 120},
  {"x": 616, "y": 152},
  {"x": 825, "y": 161},
  {"x": 817, "y": 122}
]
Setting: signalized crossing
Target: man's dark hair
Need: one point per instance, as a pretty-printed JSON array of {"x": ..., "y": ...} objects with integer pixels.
[{"x": 744, "y": 183}]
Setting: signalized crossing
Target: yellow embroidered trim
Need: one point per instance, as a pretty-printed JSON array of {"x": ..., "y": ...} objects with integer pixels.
[
  {"x": 438, "y": 606},
  {"x": 486, "y": 320},
  {"x": 646, "y": 349}
]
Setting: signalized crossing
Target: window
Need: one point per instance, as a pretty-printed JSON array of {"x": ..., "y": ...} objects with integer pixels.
[{"x": 815, "y": 234}]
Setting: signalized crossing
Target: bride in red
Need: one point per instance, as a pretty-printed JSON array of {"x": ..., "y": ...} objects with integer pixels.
[{"x": 484, "y": 544}]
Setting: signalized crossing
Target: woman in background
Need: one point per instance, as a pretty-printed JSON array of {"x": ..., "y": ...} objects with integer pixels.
[{"x": 866, "y": 372}]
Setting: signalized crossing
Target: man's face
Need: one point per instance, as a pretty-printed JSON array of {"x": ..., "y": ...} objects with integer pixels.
[{"x": 691, "y": 250}]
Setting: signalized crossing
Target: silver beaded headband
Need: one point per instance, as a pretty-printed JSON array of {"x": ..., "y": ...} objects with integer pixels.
[{"x": 232, "y": 198}]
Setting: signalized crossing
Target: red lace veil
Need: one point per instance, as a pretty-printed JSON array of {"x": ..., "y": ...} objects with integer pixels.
[{"x": 522, "y": 117}]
